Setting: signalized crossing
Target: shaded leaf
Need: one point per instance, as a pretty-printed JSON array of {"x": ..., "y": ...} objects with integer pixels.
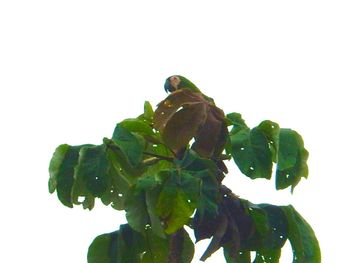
[
  {"x": 94, "y": 170},
  {"x": 131, "y": 145},
  {"x": 187, "y": 252},
  {"x": 184, "y": 125},
  {"x": 275, "y": 237},
  {"x": 136, "y": 211},
  {"x": 184, "y": 115},
  {"x": 61, "y": 171},
  {"x": 271, "y": 130},
  {"x": 240, "y": 257},
  {"x": 292, "y": 159},
  {"x": 121, "y": 246},
  {"x": 157, "y": 249},
  {"x": 250, "y": 150},
  {"x": 302, "y": 238}
]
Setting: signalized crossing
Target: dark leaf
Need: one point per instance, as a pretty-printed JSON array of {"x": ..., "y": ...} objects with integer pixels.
[
  {"x": 121, "y": 246},
  {"x": 93, "y": 170},
  {"x": 184, "y": 115},
  {"x": 302, "y": 238},
  {"x": 130, "y": 144},
  {"x": 240, "y": 257},
  {"x": 292, "y": 158},
  {"x": 216, "y": 241},
  {"x": 61, "y": 171},
  {"x": 271, "y": 130},
  {"x": 184, "y": 125},
  {"x": 136, "y": 211}
]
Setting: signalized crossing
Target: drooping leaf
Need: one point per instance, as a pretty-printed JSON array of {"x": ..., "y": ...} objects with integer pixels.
[
  {"x": 174, "y": 206},
  {"x": 117, "y": 190},
  {"x": 93, "y": 170},
  {"x": 250, "y": 150},
  {"x": 124, "y": 245},
  {"x": 184, "y": 125},
  {"x": 136, "y": 211},
  {"x": 211, "y": 138},
  {"x": 302, "y": 238},
  {"x": 130, "y": 144},
  {"x": 276, "y": 235},
  {"x": 187, "y": 251},
  {"x": 184, "y": 115},
  {"x": 61, "y": 171},
  {"x": 121, "y": 163},
  {"x": 258, "y": 215},
  {"x": 157, "y": 248},
  {"x": 292, "y": 159}
]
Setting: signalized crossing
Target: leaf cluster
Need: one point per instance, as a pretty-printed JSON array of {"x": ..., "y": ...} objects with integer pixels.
[{"x": 165, "y": 169}]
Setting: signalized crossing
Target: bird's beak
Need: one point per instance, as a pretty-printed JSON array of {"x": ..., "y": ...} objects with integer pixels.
[{"x": 167, "y": 86}]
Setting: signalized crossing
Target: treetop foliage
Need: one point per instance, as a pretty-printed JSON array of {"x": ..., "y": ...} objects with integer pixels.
[{"x": 165, "y": 169}]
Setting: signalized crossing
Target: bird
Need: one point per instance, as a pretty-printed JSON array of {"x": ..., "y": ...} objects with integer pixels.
[{"x": 177, "y": 82}]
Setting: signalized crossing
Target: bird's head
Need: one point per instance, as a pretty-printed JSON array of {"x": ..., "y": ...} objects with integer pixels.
[{"x": 176, "y": 82}]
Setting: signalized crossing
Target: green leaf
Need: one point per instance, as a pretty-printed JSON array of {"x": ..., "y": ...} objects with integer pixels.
[
  {"x": 136, "y": 211},
  {"x": 121, "y": 246},
  {"x": 157, "y": 249},
  {"x": 174, "y": 206},
  {"x": 271, "y": 130},
  {"x": 292, "y": 159},
  {"x": 258, "y": 215},
  {"x": 151, "y": 203},
  {"x": 302, "y": 238},
  {"x": 131, "y": 145},
  {"x": 121, "y": 163},
  {"x": 236, "y": 120},
  {"x": 117, "y": 190},
  {"x": 250, "y": 150},
  {"x": 267, "y": 256},
  {"x": 276, "y": 235},
  {"x": 93, "y": 169},
  {"x": 148, "y": 111},
  {"x": 61, "y": 172},
  {"x": 137, "y": 126}
]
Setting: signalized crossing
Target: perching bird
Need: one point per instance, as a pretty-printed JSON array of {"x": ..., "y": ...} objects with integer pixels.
[{"x": 177, "y": 82}]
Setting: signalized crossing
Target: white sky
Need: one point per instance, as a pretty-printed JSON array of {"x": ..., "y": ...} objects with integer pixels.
[{"x": 70, "y": 70}]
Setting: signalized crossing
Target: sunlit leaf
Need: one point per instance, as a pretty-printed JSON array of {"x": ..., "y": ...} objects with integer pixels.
[{"x": 137, "y": 126}]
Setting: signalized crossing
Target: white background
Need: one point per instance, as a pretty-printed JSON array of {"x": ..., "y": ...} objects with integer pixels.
[{"x": 70, "y": 70}]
